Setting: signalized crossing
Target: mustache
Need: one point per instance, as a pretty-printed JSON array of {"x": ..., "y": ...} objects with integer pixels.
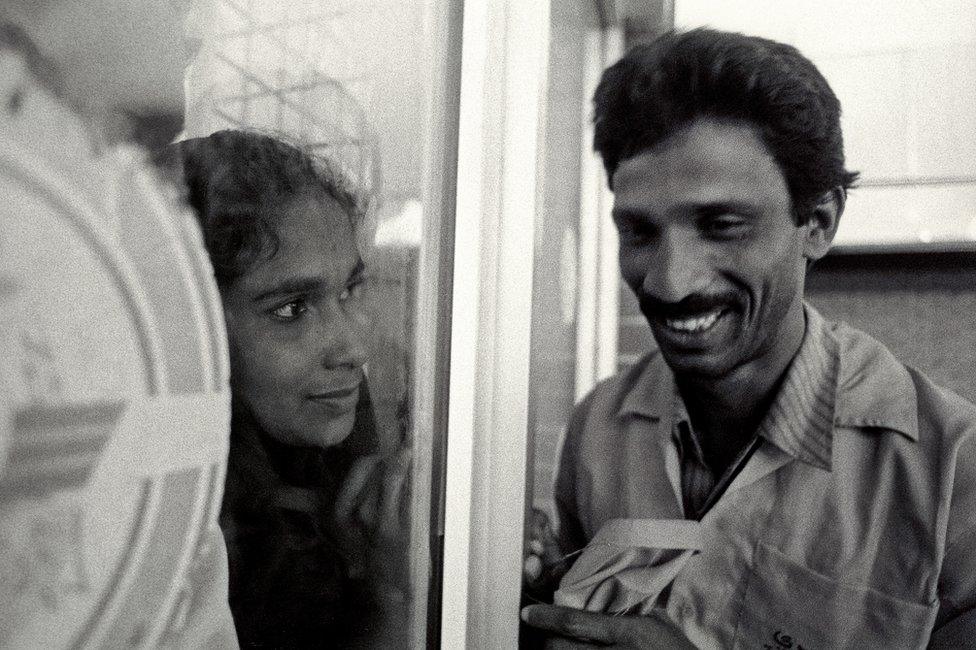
[{"x": 693, "y": 304}]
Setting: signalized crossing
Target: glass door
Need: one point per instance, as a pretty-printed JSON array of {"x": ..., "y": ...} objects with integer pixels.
[{"x": 373, "y": 87}]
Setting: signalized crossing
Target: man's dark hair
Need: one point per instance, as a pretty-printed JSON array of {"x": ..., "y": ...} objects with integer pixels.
[
  {"x": 660, "y": 87},
  {"x": 237, "y": 181}
]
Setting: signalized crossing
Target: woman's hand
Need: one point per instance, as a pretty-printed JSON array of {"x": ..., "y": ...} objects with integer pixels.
[{"x": 370, "y": 516}]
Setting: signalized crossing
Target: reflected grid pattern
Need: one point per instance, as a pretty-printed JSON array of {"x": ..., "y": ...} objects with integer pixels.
[{"x": 291, "y": 68}]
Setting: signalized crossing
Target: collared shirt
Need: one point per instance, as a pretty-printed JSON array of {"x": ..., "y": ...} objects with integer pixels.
[
  {"x": 700, "y": 485},
  {"x": 851, "y": 525},
  {"x": 799, "y": 419}
]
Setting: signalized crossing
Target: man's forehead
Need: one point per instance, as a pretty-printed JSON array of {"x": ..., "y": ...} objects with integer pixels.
[
  {"x": 724, "y": 159},
  {"x": 719, "y": 139}
]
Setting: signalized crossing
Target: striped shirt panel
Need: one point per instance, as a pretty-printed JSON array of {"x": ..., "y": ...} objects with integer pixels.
[{"x": 799, "y": 421}]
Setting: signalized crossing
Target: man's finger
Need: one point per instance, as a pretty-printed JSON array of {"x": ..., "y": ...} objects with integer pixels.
[
  {"x": 563, "y": 643},
  {"x": 573, "y": 623},
  {"x": 645, "y": 632},
  {"x": 532, "y": 568}
]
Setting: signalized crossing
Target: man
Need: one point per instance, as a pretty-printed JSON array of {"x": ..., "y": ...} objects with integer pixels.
[
  {"x": 115, "y": 405},
  {"x": 765, "y": 478}
]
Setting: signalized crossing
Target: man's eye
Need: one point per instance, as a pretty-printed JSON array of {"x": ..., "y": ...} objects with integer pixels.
[
  {"x": 290, "y": 311},
  {"x": 725, "y": 226},
  {"x": 634, "y": 232}
]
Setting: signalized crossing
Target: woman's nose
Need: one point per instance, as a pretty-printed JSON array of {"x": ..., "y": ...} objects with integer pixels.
[{"x": 343, "y": 333}]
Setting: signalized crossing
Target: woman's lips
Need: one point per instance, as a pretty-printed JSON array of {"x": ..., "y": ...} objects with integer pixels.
[
  {"x": 336, "y": 402},
  {"x": 338, "y": 393}
]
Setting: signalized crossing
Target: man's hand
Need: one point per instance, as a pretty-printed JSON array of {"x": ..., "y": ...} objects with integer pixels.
[
  {"x": 572, "y": 628},
  {"x": 544, "y": 565}
]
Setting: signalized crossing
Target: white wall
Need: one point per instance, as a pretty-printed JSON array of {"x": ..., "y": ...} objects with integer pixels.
[{"x": 905, "y": 72}]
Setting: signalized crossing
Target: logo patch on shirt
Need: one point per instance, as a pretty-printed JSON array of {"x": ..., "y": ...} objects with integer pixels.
[{"x": 782, "y": 641}]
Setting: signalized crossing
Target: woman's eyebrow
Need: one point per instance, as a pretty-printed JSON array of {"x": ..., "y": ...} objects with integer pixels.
[
  {"x": 298, "y": 284},
  {"x": 304, "y": 284}
]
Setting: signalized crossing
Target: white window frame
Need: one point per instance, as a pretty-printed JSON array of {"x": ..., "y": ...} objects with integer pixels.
[
  {"x": 505, "y": 60},
  {"x": 598, "y": 303},
  {"x": 503, "y": 82}
]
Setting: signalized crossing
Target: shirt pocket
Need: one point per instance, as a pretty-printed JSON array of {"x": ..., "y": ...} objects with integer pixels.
[{"x": 790, "y": 606}]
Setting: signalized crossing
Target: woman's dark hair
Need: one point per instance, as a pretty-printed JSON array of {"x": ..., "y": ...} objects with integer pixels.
[
  {"x": 237, "y": 180},
  {"x": 660, "y": 87}
]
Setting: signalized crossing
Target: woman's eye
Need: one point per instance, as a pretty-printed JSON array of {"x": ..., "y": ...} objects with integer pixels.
[{"x": 290, "y": 311}]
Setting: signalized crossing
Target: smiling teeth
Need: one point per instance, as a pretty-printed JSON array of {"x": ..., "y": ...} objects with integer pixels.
[{"x": 698, "y": 324}]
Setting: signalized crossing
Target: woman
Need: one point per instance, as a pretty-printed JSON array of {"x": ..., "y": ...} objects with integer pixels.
[{"x": 305, "y": 492}]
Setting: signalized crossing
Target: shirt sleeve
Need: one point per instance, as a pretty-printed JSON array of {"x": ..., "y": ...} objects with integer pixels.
[
  {"x": 569, "y": 531},
  {"x": 955, "y": 624}
]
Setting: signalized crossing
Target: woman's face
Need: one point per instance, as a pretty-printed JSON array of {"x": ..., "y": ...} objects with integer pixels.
[{"x": 297, "y": 328}]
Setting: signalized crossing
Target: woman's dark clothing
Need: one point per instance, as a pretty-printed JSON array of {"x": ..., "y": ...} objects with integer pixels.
[{"x": 291, "y": 584}]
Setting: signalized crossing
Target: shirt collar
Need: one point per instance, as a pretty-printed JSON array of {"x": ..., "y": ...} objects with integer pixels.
[
  {"x": 874, "y": 389},
  {"x": 800, "y": 421},
  {"x": 839, "y": 377},
  {"x": 652, "y": 392}
]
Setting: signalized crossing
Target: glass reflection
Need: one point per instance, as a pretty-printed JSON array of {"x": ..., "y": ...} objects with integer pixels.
[
  {"x": 349, "y": 82},
  {"x": 355, "y": 83},
  {"x": 311, "y": 512}
]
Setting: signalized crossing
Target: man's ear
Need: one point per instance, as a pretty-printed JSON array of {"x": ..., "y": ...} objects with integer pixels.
[{"x": 822, "y": 223}]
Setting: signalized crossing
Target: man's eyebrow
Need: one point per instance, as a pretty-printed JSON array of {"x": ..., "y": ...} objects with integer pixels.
[
  {"x": 717, "y": 208},
  {"x": 627, "y": 214}
]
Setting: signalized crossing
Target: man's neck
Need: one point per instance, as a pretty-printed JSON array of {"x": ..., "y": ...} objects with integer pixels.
[{"x": 727, "y": 411}]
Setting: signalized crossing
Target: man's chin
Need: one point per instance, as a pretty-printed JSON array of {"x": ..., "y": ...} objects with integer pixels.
[{"x": 704, "y": 365}]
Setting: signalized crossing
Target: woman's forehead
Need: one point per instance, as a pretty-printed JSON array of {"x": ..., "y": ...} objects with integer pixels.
[
  {"x": 313, "y": 213},
  {"x": 316, "y": 242}
]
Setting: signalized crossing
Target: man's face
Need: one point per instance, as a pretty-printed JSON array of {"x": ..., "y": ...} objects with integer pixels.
[
  {"x": 709, "y": 245},
  {"x": 296, "y": 327}
]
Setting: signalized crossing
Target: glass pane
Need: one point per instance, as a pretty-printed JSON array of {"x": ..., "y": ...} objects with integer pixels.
[
  {"x": 358, "y": 83},
  {"x": 569, "y": 340},
  {"x": 316, "y": 144},
  {"x": 554, "y": 317}
]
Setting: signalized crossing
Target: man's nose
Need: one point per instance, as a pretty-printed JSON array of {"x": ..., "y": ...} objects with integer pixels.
[
  {"x": 675, "y": 269},
  {"x": 342, "y": 334}
]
